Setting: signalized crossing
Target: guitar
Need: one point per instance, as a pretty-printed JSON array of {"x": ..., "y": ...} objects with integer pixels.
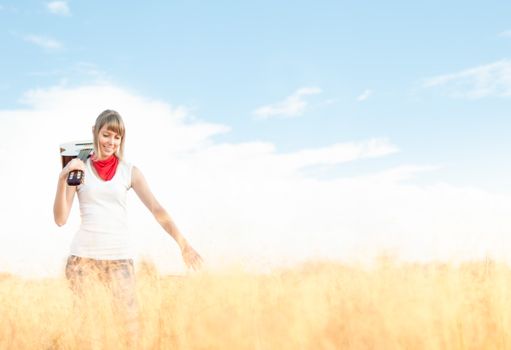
[{"x": 77, "y": 149}]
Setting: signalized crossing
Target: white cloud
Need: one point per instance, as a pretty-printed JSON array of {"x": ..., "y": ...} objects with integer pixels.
[
  {"x": 44, "y": 42},
  {"x": 292, "y": 106},
  {"x": 492, "y": 79},
  {"x": 338, "y": 153},
  {"x": 58, "y": 8},
  {"x": 79, "y": 71},
  {"x": 506, "y": 34},
  {"x": 364, "y": 95},
  {"x": 236, "y": 202}
]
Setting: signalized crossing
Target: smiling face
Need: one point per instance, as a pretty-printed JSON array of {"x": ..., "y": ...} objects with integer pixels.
[
  {"x": 108, "y": 141},
  {"x": 109, "y": 134}
]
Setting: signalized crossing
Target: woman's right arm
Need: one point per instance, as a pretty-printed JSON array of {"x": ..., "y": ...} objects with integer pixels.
[{"x": 65, "y": 194}]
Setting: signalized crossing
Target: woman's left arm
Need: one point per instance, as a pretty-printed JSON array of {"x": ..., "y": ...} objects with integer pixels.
[{"x": 190, "y": 256}]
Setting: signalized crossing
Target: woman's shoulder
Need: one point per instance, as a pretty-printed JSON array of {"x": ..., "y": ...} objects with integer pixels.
[
  {"x": 136, "y": 174},
  {"x": 126, "y": 168}
]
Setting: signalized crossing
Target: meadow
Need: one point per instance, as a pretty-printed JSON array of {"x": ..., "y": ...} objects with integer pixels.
[{"x": 317, "y": 305}]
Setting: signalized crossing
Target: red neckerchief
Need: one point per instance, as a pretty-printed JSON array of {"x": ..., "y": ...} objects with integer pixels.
[{"x": 105, "y": 168}]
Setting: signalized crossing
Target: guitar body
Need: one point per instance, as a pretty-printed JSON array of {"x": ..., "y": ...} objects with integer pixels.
[{"x": 78, "y": 149}]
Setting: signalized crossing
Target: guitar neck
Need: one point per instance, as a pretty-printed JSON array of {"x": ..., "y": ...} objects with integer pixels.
[{"x": 84, "y": 154}]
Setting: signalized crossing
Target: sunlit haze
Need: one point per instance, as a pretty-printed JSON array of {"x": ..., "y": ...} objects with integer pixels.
[{"x": 272, "y": 134}]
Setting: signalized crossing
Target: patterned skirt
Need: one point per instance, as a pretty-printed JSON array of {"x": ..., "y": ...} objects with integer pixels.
[{"x": 116, "y": 277}]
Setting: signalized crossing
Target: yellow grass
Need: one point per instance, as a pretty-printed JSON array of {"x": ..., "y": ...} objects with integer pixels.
[{"x": 313, "y": 306}]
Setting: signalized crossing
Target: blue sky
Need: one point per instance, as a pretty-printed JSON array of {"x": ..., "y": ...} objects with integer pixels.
[
  {"x": 225, "y": 59},
  {"x": 431, "y": 79}
]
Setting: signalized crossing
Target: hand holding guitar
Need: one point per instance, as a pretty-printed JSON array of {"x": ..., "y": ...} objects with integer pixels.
[
  {"x": 73, "y": 164},
  {"x": 69, "y": 153}
]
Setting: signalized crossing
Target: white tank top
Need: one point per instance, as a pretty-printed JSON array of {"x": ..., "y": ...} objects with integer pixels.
[{"x": 103, "y": 232}]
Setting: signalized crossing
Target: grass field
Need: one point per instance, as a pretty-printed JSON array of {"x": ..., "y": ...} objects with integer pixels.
[{"x": 311, "y": 306}]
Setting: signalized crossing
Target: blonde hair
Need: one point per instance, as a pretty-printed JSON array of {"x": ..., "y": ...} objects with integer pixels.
[{"x": 113, "y": 122}]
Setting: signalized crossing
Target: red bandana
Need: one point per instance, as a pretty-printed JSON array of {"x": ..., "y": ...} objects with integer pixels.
[{"x": 106, "y": 167}]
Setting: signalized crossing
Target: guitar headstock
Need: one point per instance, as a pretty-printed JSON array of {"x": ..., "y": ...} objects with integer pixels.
[{"x": 75, "y": 178}]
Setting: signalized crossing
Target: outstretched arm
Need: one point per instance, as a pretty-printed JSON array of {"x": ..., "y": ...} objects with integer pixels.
[{"x": 190, "y": 256}]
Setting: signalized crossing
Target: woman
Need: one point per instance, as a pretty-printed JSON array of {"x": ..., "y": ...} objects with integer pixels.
[{"x": 101, "y": 246}]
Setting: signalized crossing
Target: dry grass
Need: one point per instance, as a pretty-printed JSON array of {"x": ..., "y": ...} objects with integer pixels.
[{"x": 313, "y": 306}]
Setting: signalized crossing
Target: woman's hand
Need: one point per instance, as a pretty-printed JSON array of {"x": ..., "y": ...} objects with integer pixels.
[
  {"x": 73, "y": 164},
  {"x": 191, "y": 258}
]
